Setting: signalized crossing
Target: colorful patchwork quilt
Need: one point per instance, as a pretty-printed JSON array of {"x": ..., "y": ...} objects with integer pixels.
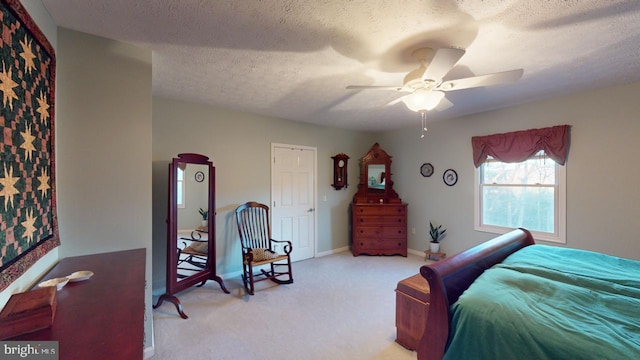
[{"x": 28, "y": 223}]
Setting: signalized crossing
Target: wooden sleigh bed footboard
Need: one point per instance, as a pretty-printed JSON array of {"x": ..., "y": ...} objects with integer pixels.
[{"x": 450, "y": 277}]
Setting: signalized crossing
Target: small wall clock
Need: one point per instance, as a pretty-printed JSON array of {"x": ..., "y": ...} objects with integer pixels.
[
  {"x": 340, "y": 171},
  {"x": 199, "y": 176},
  {"x": 426, "y": 169},
  {"x": 450, "y": 177}
]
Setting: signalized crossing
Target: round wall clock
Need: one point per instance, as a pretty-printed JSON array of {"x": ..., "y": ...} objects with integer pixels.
[
  {"x": 450, "y": 177},
  {"x": 199, "y": 176},
  {"x": 426, "y": 169}
]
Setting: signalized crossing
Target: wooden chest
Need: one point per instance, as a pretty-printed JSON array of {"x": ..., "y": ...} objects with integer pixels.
[
  {"x": 412, "y": 310},
  {"x": 379, "y": 229},
  {"x": 28, "y": 312}
]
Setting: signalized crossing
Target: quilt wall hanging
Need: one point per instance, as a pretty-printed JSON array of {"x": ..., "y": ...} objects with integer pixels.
[{"x": 28, "y": 221}]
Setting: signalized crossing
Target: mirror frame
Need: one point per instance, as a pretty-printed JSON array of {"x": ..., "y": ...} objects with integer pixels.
[
  {"x": 376, "y": 156},
  {"x": 173, "y": 286}
]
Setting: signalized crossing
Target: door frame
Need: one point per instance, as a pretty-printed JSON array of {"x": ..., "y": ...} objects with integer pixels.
[{"x": 314, "y": 187}]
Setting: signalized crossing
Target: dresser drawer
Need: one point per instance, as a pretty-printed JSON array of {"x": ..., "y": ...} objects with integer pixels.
[
  {"x": 379, "y": 220},
  {"x": 366, "y": 244},
  {"x": 383, "y": 209},
  {"x": 381, "y": 231}
]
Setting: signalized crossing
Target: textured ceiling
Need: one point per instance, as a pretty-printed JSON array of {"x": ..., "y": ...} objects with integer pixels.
[{"x": 293, "y": 59}]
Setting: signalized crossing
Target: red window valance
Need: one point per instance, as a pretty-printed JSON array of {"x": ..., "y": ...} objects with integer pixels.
[{"x": 518, "y": 146}]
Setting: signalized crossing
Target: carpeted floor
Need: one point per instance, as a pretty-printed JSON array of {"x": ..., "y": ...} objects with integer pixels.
[{"x": 339, "y": 307}]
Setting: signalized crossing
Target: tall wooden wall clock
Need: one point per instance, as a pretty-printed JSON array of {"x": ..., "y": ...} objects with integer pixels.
[{"x": 340, "y": 171}]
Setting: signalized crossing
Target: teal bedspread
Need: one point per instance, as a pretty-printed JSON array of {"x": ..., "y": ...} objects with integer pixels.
[{"x": 547, "y": 302}]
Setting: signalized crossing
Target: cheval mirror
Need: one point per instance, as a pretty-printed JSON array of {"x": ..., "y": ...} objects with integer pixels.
[{"x": 191, "y": 243}]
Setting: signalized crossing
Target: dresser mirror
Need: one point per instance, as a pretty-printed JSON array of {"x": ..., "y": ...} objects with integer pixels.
[
  {"x": 376, "y": 185},
  {"x": 191, "y": 246},
  {"x": 376, "y": 178}
]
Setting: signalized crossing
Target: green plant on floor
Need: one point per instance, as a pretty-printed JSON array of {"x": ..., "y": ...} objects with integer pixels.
[
  {"x": 437, "y": 233},
  {"x": 204, "y": 213}
]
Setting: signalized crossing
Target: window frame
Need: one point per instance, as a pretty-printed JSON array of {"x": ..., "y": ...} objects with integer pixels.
[
  {"x": 182, "y": 185},
  {"x": 560, "y": 208}
]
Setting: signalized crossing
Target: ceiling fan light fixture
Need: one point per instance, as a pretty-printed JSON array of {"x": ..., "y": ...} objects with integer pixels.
[{"x": 423, "y": 100}]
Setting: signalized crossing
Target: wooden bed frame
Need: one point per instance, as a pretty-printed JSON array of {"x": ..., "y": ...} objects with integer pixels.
[{"x": 450, "y": 277}]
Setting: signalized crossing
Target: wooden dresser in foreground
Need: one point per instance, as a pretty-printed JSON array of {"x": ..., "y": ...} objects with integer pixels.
[
  {"x": 380, "y": 229},
  {"x": 412, "y": 310},
  {"x": 102, "y": 317}
]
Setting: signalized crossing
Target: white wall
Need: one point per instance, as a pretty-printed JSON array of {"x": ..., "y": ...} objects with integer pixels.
[
  {"x": 239, "y": 145},
  {"x": 603, "y": 198}
]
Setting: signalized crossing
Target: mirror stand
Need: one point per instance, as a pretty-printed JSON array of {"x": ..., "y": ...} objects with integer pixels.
[{"x": 191, "y": 227}]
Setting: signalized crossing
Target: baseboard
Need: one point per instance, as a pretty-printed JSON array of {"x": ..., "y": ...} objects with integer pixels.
[
  {"x": 148, "y": 352},
  {"x": 334, "y": 251},
  {"x": 415, "y": 252},
  {"x": 231, "y": 275},
  {"x": 319, "y": 254}
]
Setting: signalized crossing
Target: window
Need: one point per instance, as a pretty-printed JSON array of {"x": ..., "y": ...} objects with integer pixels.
[
  {"x": 181, "y": 188},
  {"x": 528, "y": 194}
]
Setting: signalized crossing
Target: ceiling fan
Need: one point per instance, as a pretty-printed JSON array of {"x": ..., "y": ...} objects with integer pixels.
[{"x": 425, "y": 85}]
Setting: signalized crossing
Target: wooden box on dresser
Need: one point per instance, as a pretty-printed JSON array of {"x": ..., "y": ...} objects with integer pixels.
[{"x": 379, "y": 229}]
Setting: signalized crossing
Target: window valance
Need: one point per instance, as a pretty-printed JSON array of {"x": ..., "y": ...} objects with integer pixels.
[{"x": 518, "y": 146}]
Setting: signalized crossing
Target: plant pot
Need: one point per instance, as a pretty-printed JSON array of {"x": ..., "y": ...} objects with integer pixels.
[
  {"x": 205, "y": 223},
  {"x": 434, "y": 247}
]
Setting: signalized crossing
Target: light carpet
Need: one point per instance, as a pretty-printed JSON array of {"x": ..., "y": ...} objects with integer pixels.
[{"x": 339, "y": 307}]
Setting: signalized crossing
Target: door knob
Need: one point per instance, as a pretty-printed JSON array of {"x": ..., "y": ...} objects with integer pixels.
[{"x": 310, "y": 210}]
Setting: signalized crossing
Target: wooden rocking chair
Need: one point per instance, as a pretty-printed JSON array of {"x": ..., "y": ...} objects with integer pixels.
[{"x": 258, "y": 248}]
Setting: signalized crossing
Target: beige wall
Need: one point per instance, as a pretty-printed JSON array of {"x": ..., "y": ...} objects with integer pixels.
[
  {"x": 239, "y": 145},
  {"x": 104, "y": 148},
  {"x": 603, "y": 198}
]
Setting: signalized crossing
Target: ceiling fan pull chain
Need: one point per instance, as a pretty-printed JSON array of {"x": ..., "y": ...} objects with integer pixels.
[{"x": 424, "y": 123}]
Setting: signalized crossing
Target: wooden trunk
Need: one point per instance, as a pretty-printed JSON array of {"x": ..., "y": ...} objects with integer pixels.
[{"x": 412, "y": 310}]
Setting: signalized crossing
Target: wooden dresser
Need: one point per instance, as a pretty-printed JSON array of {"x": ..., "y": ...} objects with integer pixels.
[
  {"x": 379, "y": 229},
  {"x": 379, "y": 217},
  {"x": 102, "y": 317}
]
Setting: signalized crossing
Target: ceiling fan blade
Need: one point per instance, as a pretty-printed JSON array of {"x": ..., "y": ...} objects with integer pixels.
[
  {"x": 363, "y": 87},
  {"x": 443, "y": 61},
  {"x": 398, "y": 100},
  {"x": 482, "y": 80},
  {"x": 444, "y": 104}
]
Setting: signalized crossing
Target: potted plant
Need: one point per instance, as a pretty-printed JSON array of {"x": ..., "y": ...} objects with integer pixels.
[
  {"x": 437, "y": 234},
  {"x": 205, "y": 217}
]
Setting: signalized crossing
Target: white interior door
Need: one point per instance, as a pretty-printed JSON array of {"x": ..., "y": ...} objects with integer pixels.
[{"x": 293, "y": 215}]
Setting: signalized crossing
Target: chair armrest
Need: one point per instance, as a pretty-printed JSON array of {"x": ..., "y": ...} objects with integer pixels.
[{"x": 287, "y": 245}]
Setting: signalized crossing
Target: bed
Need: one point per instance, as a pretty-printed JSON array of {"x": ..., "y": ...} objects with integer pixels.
[{"x": 510, "y": 298}]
